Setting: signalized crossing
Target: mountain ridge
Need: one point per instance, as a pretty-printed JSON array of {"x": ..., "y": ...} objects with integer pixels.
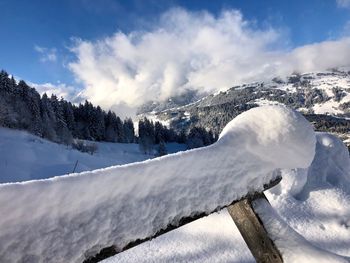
[{"x": 323, "y": 97}]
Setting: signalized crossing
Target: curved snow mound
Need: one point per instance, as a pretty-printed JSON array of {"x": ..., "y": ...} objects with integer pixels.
[
  {"x": 331, "y": 163},
  {"x": 275, "y": 133},
  {"x": 330, "y": 166}
]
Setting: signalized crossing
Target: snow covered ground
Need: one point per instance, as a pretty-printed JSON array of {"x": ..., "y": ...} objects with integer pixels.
[
  {"x": 312, "y": 218},
  {"x": 314, "y": 202},
  {"x": 27, "y": 157}
]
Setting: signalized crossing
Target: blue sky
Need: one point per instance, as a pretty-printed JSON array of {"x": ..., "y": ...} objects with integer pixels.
[{"x": 37, "y": 37}]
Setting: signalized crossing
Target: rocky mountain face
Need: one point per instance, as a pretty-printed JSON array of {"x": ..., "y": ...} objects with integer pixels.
[
  {"x": 183, "y": 99},
  {"x": 323, "y": 97}
]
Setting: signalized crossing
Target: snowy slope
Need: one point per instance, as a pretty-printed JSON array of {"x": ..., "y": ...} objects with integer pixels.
[
  {"x": 334, "y": 87},
  {"x": 311, "y": 93},
  {"x": 27, "y": 157},
  {"x": 67, "y": 218}
]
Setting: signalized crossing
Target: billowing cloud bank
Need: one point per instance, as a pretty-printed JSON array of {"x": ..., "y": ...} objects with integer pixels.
[{"x": 191, "y": 51}]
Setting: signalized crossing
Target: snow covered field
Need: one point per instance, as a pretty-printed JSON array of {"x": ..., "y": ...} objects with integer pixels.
[
  {"x": 312, "y": 204},
  {"x": 27, "y": 157}
]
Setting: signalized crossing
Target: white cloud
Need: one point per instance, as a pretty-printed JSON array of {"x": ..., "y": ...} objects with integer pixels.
[
  {"x": 343, "y": 3},
  {"x": 46, "y": 54},
  {"x": 189, "y": 50},
  {"x": 60, "y": 90}
]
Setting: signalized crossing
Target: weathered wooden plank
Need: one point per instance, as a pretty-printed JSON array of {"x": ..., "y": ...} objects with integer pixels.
[
  {"x": 253, "y": 231},
  {"x": 111, "y": 251}
]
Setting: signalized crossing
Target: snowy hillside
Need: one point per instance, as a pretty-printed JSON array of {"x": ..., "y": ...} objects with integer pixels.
[
  {"x": 311, "y": 93},
  {"x": 26, "y": 157}
]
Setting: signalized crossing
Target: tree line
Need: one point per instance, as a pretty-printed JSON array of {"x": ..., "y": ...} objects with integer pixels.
[
  {"x": 55, "y": 119},
  {"x": 151, "y": 134},
  {"x": 22, "y": 107}
]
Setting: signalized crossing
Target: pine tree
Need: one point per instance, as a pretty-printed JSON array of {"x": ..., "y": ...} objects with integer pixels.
[
  {"x": 146, "y": 136},
  {"x": 110, "y": 126},
  {"x": 159, "y": 132},
  {"x": 63, "y": 134},
  {"x": 33, "y": 102},
  {"x": 120, "y": 130},
  {"x": 162, "y": 149},
  {"x": 6, "y": 84},
  {"x": 68, "y": 115},
  {"x": 48, "y": 118},
  {"x": 3, "y": 112},
  {"x": 129, "y": 131}
]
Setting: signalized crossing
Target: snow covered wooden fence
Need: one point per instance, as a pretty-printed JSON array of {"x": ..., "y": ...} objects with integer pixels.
[
  {"x": 72, "y": 218},
  {"x": 246, "y": 219}
]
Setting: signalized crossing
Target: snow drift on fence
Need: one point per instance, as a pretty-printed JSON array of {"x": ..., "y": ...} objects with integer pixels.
[
  {"x": 68, "y": 218},
  {"x": 309, "y": 219}
]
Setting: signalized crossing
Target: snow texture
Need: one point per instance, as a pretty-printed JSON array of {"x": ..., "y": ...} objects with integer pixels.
[
  {"x": 315, "y": 202},
  {"x": 27, "y": 157},
  {"x": 330, "y": 168},
  {"x": 331, "y": 165},
  {"x": 68, "y": 218},
  {"x": 214, "y": 238},
  {"x": 309, "y": 219},
  {"x": 293, "y": 246}
]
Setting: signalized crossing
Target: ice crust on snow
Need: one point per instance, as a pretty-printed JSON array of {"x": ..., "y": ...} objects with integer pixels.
[{"x": 60, "y": 219}]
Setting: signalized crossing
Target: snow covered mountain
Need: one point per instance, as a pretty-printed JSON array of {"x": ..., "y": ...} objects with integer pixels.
[
  {"x": 321, "y": 96},
  {"x": 183, "y": 99}
]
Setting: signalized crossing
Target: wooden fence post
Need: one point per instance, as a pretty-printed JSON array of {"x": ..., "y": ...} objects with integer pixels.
[{"x": 253, "y": 231}]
